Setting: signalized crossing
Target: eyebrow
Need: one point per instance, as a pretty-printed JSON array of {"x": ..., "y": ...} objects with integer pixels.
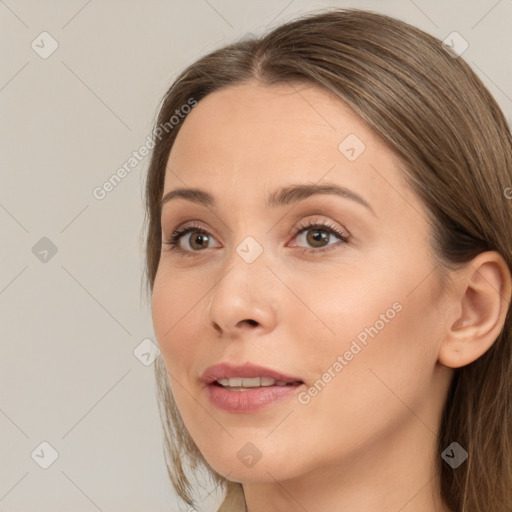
[{"x": 285, "y": 196}]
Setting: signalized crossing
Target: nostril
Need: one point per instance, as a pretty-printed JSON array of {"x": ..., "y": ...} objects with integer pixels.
[{"x": 248, "y": 321}]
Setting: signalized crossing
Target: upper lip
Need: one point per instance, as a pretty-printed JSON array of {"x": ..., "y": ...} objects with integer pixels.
[{"x": 248, "y": 370}]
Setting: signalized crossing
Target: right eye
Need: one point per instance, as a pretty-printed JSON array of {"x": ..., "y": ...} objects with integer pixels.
[{"x": 200, "y": 235}]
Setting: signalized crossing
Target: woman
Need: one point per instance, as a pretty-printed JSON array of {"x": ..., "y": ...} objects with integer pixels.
[{"x": 329, "y": 253}]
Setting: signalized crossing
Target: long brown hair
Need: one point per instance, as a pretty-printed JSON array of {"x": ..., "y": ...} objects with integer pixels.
[{"x": 435, "y": 113}]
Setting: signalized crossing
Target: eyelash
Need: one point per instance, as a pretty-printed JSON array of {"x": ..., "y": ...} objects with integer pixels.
[{"x": 173, "y": 241}]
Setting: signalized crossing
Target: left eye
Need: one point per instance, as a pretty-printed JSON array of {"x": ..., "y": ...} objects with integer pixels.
[{"x": 319, "y": 234}]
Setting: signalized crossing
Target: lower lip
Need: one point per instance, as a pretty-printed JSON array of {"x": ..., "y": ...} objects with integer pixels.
[{"x": 250, "y": 400}]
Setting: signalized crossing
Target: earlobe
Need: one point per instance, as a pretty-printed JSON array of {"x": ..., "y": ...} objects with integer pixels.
[{"x": 483, "y": 293}]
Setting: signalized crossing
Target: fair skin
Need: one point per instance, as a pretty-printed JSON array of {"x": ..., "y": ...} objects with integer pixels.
[{"x": 367, "y": 440}]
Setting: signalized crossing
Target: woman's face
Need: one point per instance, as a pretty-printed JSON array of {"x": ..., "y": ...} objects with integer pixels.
[{"x": 358, "y": 322}]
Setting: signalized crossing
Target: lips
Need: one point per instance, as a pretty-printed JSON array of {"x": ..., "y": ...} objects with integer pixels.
[
  {"x": 238, "y": 391},
  {"x": 248, "y": 370}
]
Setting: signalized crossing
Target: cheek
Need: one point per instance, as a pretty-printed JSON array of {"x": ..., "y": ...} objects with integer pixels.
[
  {"x": 174, "y": 310},
  {"x": 383, "y": 337},
  {"x": 389, "y": 352},
  {"x": 172, "y": 313},
  {"x": 384, "y": 381}
]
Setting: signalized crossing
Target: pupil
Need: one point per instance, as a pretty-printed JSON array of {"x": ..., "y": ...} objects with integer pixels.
[
  {"x": 199, "y": 239},
  {"x": 319, "y": 235}
]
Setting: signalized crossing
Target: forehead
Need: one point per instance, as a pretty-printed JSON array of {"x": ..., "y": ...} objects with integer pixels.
[
  {"x": 252, "y": 120},
  {"x": 251, "y": 137}
]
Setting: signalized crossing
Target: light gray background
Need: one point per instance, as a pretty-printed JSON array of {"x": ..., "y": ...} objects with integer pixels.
[{"x": 70, "y": 325}]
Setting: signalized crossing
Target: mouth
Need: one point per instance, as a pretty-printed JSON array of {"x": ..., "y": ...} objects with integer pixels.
[
  {"x": 248, "y": 388},
  {"x": 245, "y": 384},
  {"x": 247, "y": 375}
]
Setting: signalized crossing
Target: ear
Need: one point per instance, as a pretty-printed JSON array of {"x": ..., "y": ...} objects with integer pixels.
[{"x": 482, "y": 299}]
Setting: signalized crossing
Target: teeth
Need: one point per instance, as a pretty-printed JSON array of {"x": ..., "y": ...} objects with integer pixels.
[{"x": 254, "y": 382}]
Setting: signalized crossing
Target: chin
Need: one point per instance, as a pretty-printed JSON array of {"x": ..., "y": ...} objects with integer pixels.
[{"x": 244, "y": 466}]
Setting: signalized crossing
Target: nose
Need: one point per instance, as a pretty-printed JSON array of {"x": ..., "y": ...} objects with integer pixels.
[{"x": 244, "y": 299}]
